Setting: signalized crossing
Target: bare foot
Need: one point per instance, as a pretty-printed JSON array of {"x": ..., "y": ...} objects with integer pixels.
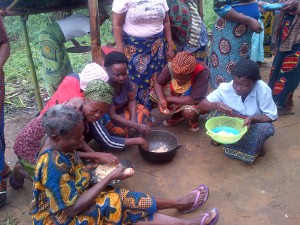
[{"x": 188, "y": 201}]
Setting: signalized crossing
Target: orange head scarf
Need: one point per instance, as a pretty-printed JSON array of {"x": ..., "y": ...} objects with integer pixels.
[{"x": 183, "y": 63}]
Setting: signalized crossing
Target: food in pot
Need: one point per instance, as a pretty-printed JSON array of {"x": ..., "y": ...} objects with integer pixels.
[{"x": 162, "y": 148}]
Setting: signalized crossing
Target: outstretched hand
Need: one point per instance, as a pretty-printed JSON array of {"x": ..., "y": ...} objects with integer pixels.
[
  {"x": 247, "y": 121},
  {"x": 162, "y": 105},
  {"x": 103, "y": 157},
  {"x": 223, "y": 108},
  {"x": 290, "y": 5},
  {"x": 122, "y": 173}
]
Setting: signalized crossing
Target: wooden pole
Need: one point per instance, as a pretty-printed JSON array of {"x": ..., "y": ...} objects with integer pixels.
[
  {"x": 31, "y": 64},
  {"x": 200, "y": 8},
  {"x": 95, "y": 31}
]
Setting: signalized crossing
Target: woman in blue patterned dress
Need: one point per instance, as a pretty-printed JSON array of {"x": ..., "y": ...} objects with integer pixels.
[
  {"x": 142, "y": 31},
  {"x": 61, "y": 191},
  {"x": 231, "y": 36}
]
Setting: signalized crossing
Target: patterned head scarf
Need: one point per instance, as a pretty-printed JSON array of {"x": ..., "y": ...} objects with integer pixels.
[
  {"x": 99, "y": 91},
  {"x": 183, "y": 63}
]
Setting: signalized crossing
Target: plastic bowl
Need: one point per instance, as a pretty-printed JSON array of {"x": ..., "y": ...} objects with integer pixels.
[{"x": 228, "y": 124}]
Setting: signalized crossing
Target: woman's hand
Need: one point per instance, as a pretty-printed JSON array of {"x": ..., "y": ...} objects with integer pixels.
[
  {"x": 162, "y": 105},
  {"x": 143, "y": 144},
  {"x": 254, "y": 25},
  {"x": 121, "y": 173},
  {"x": 143, "y": 129},
  {"x": 170, "y": 53},
  {"x": 290, "y": 5},
  {"x": 247, "y": 121},
  {"x": 220, "y": 106},
  {"x": 102, "y": 157}
]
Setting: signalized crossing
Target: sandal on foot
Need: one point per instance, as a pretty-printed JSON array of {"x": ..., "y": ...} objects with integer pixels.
[
  {"x": 15, "y": 184},
  {"x": 197, "y": 202},
  {"x": 3, "y": 186},
  {"x": 194, "y": 127},
  {"x": 214, "y": 221},
  {"x": 172, "y": 122}
]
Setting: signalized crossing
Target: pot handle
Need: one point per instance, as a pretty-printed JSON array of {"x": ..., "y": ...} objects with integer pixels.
[
  {"x": 178, "y": 146},
  {"x": 209, "y": 133}
]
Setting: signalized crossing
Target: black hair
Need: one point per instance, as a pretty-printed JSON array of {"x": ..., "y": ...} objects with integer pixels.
[
  {"x": 59, "y": 120},
  {"x": 115, "y": 58},
  {"x": 248, "y": 69}
]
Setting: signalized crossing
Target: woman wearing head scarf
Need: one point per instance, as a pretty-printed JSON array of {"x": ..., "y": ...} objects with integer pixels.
[
  {"x": 181, "y": 85},
  {"x": 62, "y": 193},
  {"x": 127, "y": 118},
  {"x": 95, "y": 103}
]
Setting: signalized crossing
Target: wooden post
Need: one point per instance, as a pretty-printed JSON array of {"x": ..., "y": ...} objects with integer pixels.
[
  {"x": 31, "y": 64},
  {"x": 200, "y": 8},
  {"x": 95, "y": 31}
]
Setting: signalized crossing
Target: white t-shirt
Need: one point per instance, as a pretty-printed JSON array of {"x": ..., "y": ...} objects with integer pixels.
[
  {"x": 259, "y": 100},
  {"x": 144, "y": 18},
  {"x": 77, "y": 25}
]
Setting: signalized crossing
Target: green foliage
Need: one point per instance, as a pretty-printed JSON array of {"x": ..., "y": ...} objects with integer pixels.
[
  {"x": 17, "y": 70},
  {"x": 209, "y": 14}
]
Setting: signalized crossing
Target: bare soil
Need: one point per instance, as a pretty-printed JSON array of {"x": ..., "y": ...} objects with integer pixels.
[{"x": 266, "y": 192}]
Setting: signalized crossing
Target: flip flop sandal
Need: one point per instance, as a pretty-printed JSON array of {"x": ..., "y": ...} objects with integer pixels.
[
  {"x": 194, "y": 127},
  {"x": 214, "y": 221},
  {"x": 197, "y": 204},
  {"x": 14, "y": 184},
  {"x": 172, "y": 122}
]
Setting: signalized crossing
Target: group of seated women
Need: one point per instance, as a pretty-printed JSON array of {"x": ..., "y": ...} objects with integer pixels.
[{"x": 100, "y": 104}]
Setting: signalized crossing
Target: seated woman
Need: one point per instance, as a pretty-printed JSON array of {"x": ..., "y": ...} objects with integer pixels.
[
  {"x": 64, "y": 196},
  {"x": 74, "y": 86},
  {"x": 247, "y": 96},
  {"x": 181, "y": 85},
  {"x": 127, "y": 118},
  {"x": 96, "y": 102}
]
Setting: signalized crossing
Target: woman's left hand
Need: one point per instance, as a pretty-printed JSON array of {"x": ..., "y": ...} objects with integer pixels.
[
  {"x": 290, "y": 5},
  {"x": 103, "y": 157},
  {"x": 247, "y": 121},
  {"x": 170, "y": 53},
  {"x": 143, "y": 129}
]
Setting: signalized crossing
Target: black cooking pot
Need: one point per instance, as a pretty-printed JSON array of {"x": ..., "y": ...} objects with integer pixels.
[{"x": 156, "y": 139}]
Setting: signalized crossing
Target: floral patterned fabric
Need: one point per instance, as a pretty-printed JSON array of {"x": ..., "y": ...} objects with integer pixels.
[
  {"x": 60, "y": 179},
  {"x": 231, "y": 42}
]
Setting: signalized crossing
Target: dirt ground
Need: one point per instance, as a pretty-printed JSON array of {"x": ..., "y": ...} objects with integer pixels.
[{"x": 266, "y": 192}]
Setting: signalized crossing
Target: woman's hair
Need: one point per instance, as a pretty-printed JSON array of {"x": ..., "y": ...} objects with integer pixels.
[
  {"x": 59, "y": 120},
  {"x": 248, "y": 69},
  {"x": 183, "y": 63},
  {"x": 115, "y": 58}
]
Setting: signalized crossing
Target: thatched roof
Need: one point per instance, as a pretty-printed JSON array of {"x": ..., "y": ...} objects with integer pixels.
[{"x": 21, "y": 7}]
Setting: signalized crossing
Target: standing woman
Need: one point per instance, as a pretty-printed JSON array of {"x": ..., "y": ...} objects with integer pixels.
[
  {"x": 140, "y": 30},
  {"x": 231, "y": 36},
  {"x": 285, "y": 71},
  {"x": 4, "y": 54}
]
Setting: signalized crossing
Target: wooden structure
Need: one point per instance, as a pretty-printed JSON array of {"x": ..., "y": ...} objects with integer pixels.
[{"x": 24, "y": 8}]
